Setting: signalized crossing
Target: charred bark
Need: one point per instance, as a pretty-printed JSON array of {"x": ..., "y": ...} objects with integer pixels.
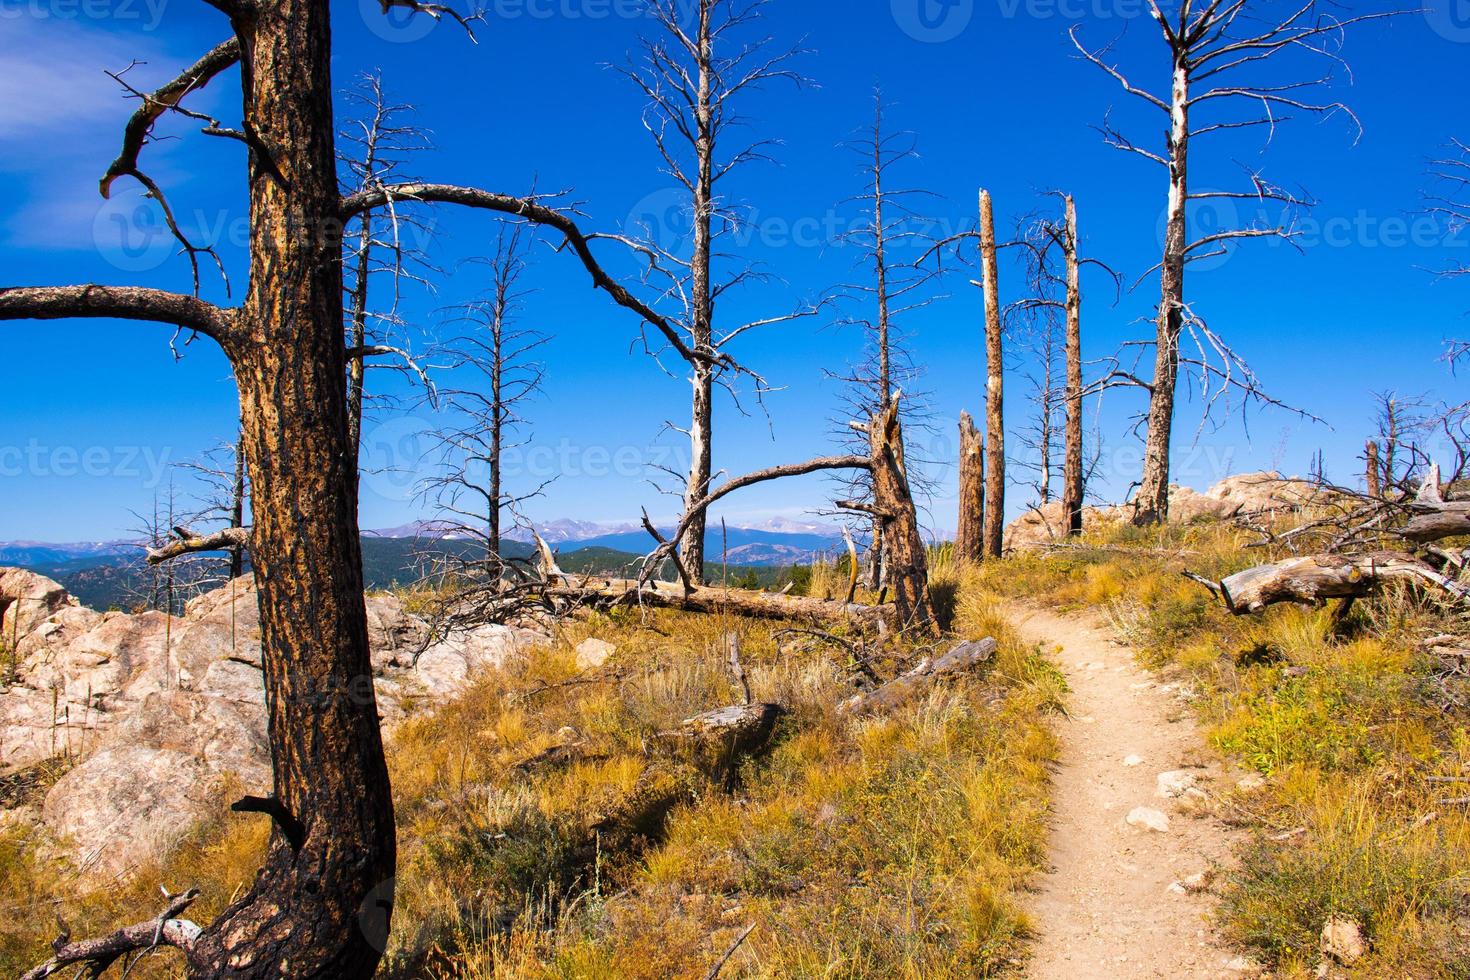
[
  {"x": 908, "y": 560},
  {"x": 969, "y": 540},
  {"x": 1073, "y": 478},
  {"x": 995, "y": 447}
]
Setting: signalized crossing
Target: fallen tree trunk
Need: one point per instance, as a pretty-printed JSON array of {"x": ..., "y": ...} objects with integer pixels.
[
  {"x": 963, "y": 658},
  {"x": 718, "y": 740},
  {"x": 709, "y": 599},
  {"x": 1434, "y": 518},
  {"x": 1315, "y": 579}
]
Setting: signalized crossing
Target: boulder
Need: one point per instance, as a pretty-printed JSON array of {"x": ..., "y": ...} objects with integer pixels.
[
  {"x": 593, "y": 653},
  {"x": 161, "y": 713},
  {"x": 26, "y": 601},
  {"x": 1342, "y": 941},
  {"x": 125, "y": 808}
]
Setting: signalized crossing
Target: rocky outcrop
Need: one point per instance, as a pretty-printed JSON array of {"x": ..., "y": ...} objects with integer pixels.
[
  {"x": 1237, "y": 496},
  {"x": 160, "y": 715}
]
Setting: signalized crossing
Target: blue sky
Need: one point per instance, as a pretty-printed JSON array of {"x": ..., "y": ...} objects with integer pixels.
[{"x": 92, "y": 412}]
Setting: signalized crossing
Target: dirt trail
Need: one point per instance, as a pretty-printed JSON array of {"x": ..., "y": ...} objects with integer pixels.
[{"x": 1107, "y": 909}]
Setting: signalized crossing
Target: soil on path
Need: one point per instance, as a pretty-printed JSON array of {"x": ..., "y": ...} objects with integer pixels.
[{"x": 1121, "y": 900}]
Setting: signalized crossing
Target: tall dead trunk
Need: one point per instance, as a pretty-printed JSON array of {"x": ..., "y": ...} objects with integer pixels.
[
  {"x": 995, "y": 450},
  {"x": 1073, "y": 480},
  {"x": 1375, "y": 474},
  {"x": 908, "y": 560},
  {"x": 969, "y": 540},
  {"x": 333, "y": 845},
  {"x": 701, "y": 423},
  {"x": 1151, "y": 506}
]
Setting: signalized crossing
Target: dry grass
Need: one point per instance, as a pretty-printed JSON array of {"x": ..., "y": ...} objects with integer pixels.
[
  {"x": 889, "y": 847},
  {"x": 1351, "y": 728}
]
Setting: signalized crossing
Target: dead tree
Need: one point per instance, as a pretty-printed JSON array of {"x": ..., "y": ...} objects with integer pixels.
[
  {"x": 969, "y": 539},
  {"x": 1074, "y": 485},
  {"x": 492, "y": 374},
  {"x": 333, "y": 849},
  {"x": 693, "y": 74},
  {"x": 376, "y": 146},
  {"x": 1219, "y": 53},
  {"x": 995, "y": 447},
  {"x": 890, "y": 289}
]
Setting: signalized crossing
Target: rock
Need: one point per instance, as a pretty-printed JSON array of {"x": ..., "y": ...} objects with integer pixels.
[
  {"x": 1243, "y": 964},
  {"x": 1342, "y": 941},
  {"x": 1148, "y": 819},
  {"x": 1193, "y": 885},
  {"x": 593, "y": 653},
  {"x": 1133, "y": 760},
  {"x": 157, "y": 711},
  {"x": 26, "y": 601},
  {"x": 1173, "y": 785},
  {"x": 128, "y": 807},
  {"x": 1251, "y": 783}
]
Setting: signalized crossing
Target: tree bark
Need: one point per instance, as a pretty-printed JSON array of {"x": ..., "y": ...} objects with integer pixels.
[
  {"x": 1434, "y": 518},
  {"x": 962, "y": 659},
  {"x": 995, "y": 451},
  {"x": 721, "y": 601},
  {"x": 701, "y": 423},
  {"x": 969, "y": 540},
  {"x": 1073, "y": 480},
  {"x": 301, "y": 917},
  {"x": 1374, "y": 472},
  {"x": 1151, "y": 505},
  {"x": 908, "y": 559}
]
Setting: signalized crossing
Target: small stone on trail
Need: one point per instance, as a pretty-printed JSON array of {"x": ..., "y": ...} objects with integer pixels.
[
  {"x": 1173, "y": 785},
  {"x": 1096, "y": 666},
  {"x": 1251, "y": 783},
  {"x": 1133, "y": 760},
  {"x": 1148, "y": 819},
  {"x": 1243, "y": 964}
]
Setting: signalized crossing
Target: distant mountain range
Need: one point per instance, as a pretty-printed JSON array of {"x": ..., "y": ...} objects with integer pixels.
[{"x": 108, "y": 574}]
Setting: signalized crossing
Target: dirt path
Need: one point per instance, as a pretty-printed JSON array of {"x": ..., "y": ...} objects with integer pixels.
[{"x": 1107, "y": 910}]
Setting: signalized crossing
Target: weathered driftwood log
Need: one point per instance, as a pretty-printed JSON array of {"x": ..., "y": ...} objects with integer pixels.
[
  {"x": 1434, "y": 518},
  {"x": 709, "y": 599},
  {"x": 963, "y": 658},
  {"x": 1313, "y": 580},
  {"x": 716, "y": 741}
]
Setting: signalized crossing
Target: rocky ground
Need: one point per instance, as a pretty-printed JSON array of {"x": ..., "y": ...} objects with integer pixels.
[{"x": 148, "y": 719}]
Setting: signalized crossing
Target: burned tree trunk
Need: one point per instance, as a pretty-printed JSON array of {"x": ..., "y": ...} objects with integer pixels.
[
  {"x": 1315, "y": 579},
  {"x": 908, "y": 561},
  {"x": 969, "y": 540},
  {"x": 995, "y": 451},
  {"x": 1073, "y": 479},
  {"x": 1374, "y": 474},
  {"x": 301, "y": 918},
  {"x": 962, "y": 659}
]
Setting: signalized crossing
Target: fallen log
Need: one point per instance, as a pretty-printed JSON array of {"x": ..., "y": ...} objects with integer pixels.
[
  {"x": 1315, "y": 579},
  {"x": 966, "y": 657},
  {"x": 710, "y": 599},
  {"x": 1434, "y": 518},
  {"x": 716, "y": 741}
]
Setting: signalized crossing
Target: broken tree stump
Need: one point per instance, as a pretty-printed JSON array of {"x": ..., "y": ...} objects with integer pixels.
[{"x": 966, "y": 657}]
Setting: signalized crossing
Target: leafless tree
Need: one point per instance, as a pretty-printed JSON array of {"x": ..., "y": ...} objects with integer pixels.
[
  {"x": 375, "y": 148},
  {"x": 694, "y": 77},
  {"x": 1221, "y": 54},
  {"x": 494, "y": 374},
  {"x": 888, "y": 289},
  {"x": 333, "y": 851},
  {"x": 1449, "y": 201}
]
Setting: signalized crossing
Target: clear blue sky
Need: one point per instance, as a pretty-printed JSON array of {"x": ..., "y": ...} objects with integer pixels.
[{"x": 996, "y": 96}]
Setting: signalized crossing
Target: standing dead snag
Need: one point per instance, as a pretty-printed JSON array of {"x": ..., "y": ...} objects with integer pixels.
[
  {"x": 995, "y": 446},
  {"x": 693, "y": 74},
  {"x": 969, "y": 539},
  {"x": 1216, "y": 52},
  {"x": 893, "y": 503},
  {"x": 1074, "y": 486}
]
